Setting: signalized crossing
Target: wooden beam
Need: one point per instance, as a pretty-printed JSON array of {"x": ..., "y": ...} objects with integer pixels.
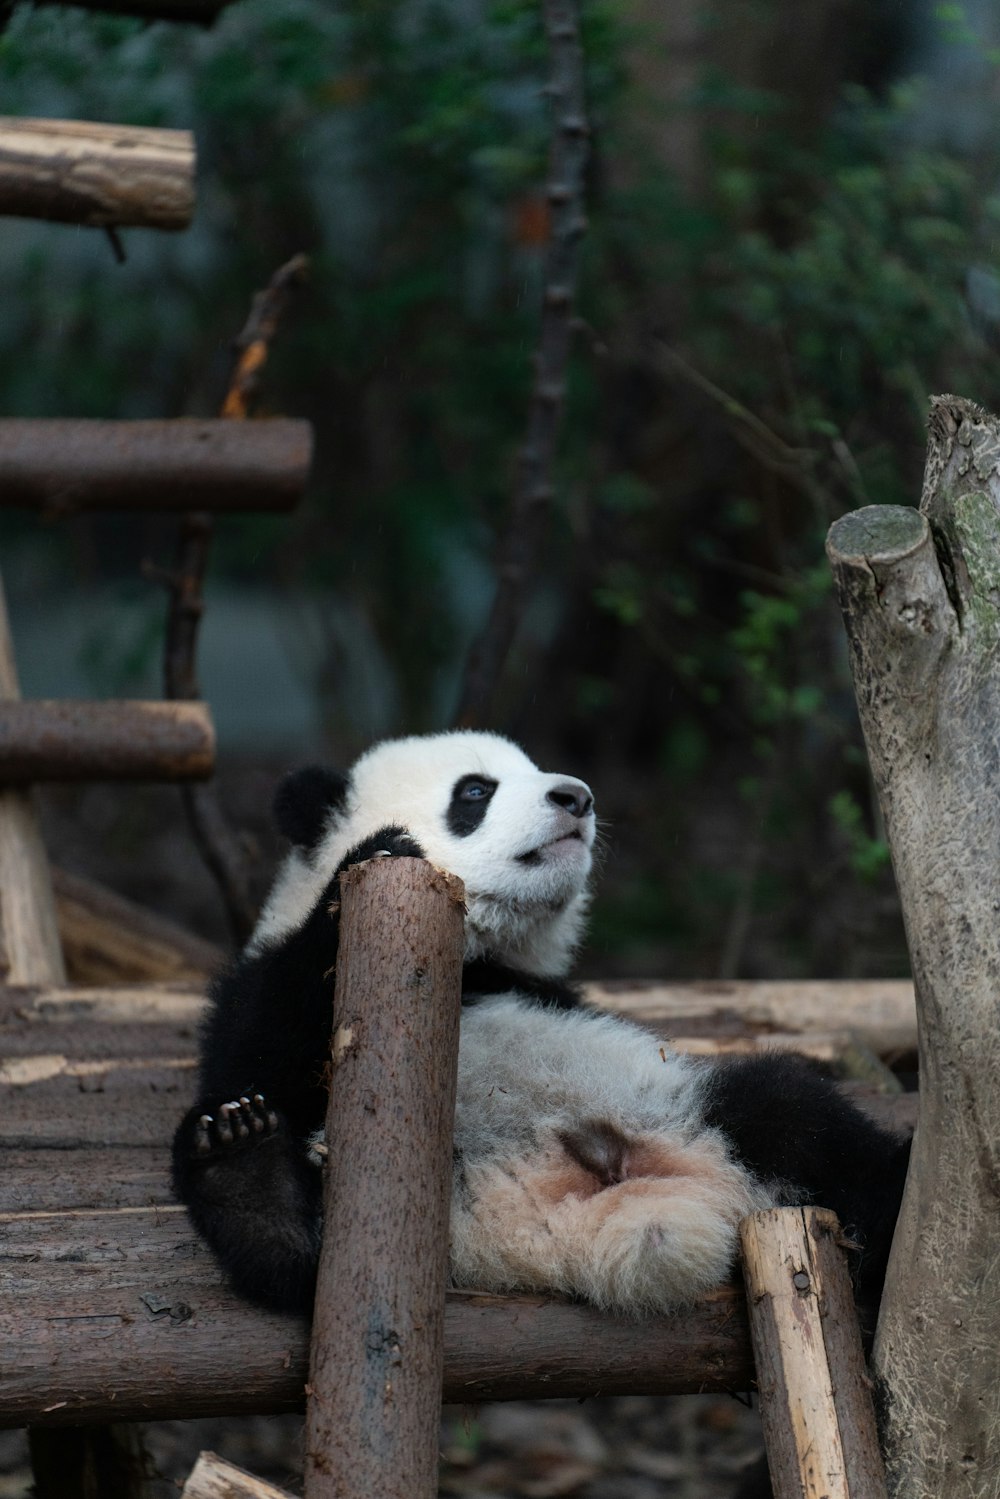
[
  {"x": 213, "y": 1478},
  {"x": 373, "y": 1420},
  {"x": 65, "y": 740},
  {"x": 108, "y": 939},
  {"x": 880, "y": 1011},
  {"x": 201, "y": 12},
  {"x": 29, "y": 935},
  {"x": 123, "y": 1316},
  {"x": 79, "y": 172},
  {"x": 815, "y": 1397},
  {"x": 62, "y": 466}
]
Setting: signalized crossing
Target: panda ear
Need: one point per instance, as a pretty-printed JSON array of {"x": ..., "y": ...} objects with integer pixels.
[{"x": 303, "y": 801}]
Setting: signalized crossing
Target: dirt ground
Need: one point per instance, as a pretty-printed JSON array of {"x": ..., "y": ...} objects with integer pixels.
[{"x": 635, "y": 1447}]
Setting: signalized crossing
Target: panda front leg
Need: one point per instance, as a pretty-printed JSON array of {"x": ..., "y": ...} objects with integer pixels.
[{"x": 254, "y": 1196}]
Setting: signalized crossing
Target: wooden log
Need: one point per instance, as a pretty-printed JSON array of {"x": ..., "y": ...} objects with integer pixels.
[
  {"x": 921, "y": 607},
  {"x": 65, "y": 740},
  {"x": 108, "y": 939},
  {"x": 815, "y": 1398},
  {"x": 881, "y": 1012},
  {"x": 29, "y": 935},
  {"x": 61, "y": 465},
  {"x": 213, "y": 1478},
  {"x": 124, "y": 1316},
  {"x": 373, "y": 1417},
  {"x": 201, "y": 12},
  {"x": 79, "y": 172}
]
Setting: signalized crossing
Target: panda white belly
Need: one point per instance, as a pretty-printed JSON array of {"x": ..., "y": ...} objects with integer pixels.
[{"x": 582, "y": 1163}]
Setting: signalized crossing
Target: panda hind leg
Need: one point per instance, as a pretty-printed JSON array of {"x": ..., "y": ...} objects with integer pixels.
[{"x": 254, "y": 1197}]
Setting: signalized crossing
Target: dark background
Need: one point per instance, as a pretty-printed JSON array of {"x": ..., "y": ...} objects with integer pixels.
[{"x": 799, "y": 201}]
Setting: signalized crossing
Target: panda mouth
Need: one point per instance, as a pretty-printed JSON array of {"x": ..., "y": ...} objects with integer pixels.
[{"x": 537, "y": 855}]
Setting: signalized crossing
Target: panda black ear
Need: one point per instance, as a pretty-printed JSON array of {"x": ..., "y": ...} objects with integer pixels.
[{"x": 303, "y": 801}]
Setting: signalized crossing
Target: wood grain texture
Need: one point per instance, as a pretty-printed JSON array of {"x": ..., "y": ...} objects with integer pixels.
[
  {"x": 67, "y": 740},
  {"x": 80, "y": 172},
  {"x": 63, "y": 465},
  {"x": 108, "y": 939},
  {"x": 373, "y": 1418},
  {"x": 921, "y": 606},
  {"x": 30, "y": 952},
  {"x": 123, "y": 1315},
  {"x": 815, "y": 1398},
  {"x": 213, "y": 1478}
]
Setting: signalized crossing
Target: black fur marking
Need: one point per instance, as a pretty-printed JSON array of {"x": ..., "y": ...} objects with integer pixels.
[
  {"x": 470, "y": 797},
  {"x": 304, "y": 800},
  {"x": 483, "y": 977},
  {"x": 790, "y": 1125}
]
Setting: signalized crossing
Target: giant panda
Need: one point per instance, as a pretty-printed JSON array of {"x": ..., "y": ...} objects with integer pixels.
[{"x": 590, "y": 1159}]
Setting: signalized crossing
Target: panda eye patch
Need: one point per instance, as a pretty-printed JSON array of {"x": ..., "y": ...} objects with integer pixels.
[{"x": 470, "y": 797}]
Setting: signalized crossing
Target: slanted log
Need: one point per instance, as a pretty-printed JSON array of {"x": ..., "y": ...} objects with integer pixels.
[
  {"x": 29, "y": 935},
  {"x": 815, "y": 1397},
  {"x": 108, "y": 939},
  {"x": 61, "y": 465},
  {"x": 78, "y": 172},
  {"x": 213, "y": 1478},
  {"x": 373, "y": 1418},
  {"x": 65, "y": 740},
  {"x": 921, "y": 603}
]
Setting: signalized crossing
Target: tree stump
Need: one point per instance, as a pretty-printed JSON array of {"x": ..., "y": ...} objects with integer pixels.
[{"x": 920, "y": 594}]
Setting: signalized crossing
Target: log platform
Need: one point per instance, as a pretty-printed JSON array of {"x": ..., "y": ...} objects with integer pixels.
[{"x": 117, "y": 1310}]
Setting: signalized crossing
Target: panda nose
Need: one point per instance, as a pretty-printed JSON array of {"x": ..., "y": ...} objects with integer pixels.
[{"x": 573, "y": 797}]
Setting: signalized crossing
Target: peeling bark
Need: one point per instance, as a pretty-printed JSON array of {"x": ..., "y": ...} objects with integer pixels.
[{"x": 920, "y": 593}]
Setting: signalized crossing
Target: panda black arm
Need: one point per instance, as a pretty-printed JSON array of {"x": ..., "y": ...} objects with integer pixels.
[
  {"x": 241, "y": 1158},
  {"x": 792, "y": 1126}
]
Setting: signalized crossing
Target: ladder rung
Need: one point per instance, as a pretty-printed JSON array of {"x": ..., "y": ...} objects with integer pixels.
[
  {"x": 61, "y": 466},
  {"x": 70, "y": 740}
]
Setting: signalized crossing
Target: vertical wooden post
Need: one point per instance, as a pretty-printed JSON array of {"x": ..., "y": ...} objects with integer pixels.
[
  {"x": 921, "y": 603},
  {"x": 30, "y": 952},
  {"x": 815, "y": 1400},
  {"x": 372, "y": 1422}
]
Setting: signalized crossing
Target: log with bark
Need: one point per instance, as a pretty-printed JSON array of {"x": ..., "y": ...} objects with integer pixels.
[
  {"x": 62, "y": 465},
  {"x": 920, "y": 594},
  {"x": 373, "y": 1417},
  {"x": 104, "y": 176},
  {"x": 67, "y": 740}
]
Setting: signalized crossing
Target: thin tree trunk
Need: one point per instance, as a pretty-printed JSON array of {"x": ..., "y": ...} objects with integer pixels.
[{"x": 920, "y": 593}]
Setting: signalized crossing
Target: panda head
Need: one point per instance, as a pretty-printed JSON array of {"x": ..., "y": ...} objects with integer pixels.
[{"x": 519, "y": 838}]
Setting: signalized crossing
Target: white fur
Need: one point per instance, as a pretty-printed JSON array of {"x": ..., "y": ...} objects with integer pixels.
[
  {"x": 526, "y": 1210},
  {"x": 528, "y": 916}
]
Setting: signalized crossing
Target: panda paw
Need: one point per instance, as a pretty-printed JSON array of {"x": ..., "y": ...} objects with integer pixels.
[
  {"x": 243, "y": 1121},
  {"x": 387, "y": 843}
]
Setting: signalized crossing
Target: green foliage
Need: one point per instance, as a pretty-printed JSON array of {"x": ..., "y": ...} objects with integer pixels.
[{"x": 819, "y": 282}]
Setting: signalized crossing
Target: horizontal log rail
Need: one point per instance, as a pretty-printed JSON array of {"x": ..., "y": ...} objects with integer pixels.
[
  {"x": 123, "y": 1315},
  {"x": 80, "y": 172},
  {"x": 67, "y": 740},
  {"x": 118, "y": 1311},
  {"x": 61, "y": 466},
  {"x": 201, "y": 12}
]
